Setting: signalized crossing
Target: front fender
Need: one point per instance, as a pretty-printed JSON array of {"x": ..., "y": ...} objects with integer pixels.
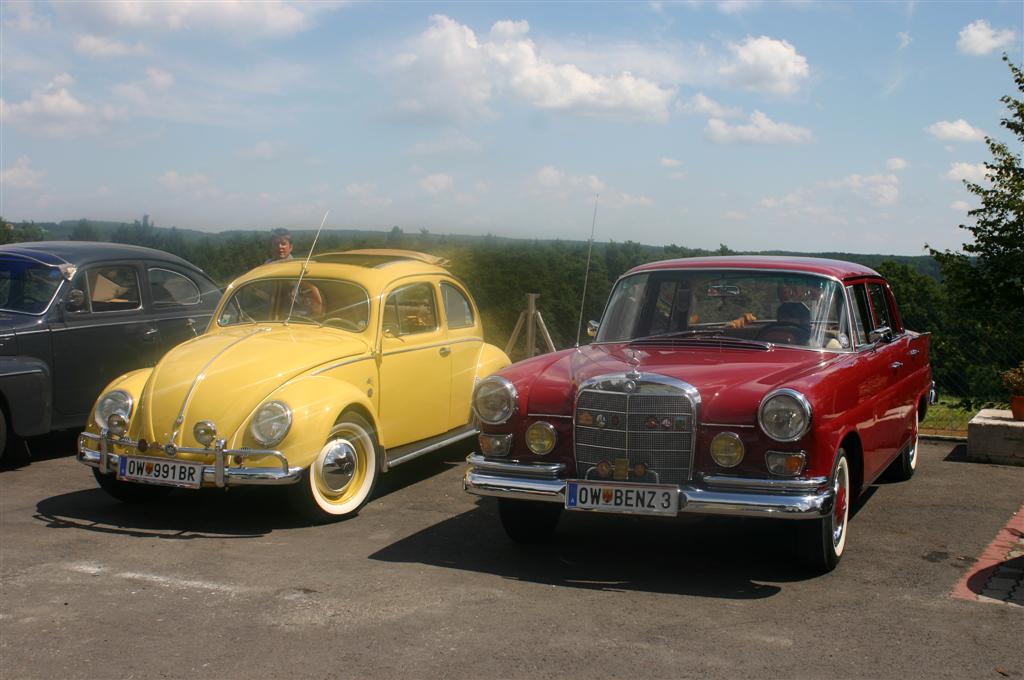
[
  {"x": 316, "y": 402},
  {"x": 133, "y": 382},
  {"x": 25, "y": 388},
  {"x": 491, "y": 359}
]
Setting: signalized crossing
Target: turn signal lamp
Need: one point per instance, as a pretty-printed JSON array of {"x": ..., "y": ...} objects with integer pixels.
[
  {"x": 116, "y": 424},
  {"x": 727, "y": 449},
  {"x": 495, "y": 445},
  {"x": 785, "y": 464},
  {"x": 204, "y": 432}
]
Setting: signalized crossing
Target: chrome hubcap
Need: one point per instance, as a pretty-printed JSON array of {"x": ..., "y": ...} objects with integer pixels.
[
  {"x": 839, "y": 513},
  {"x": 338, "y": 465}
]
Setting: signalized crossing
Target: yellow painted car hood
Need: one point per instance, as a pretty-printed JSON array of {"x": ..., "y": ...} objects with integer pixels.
[{"x": 223, "y": 376}]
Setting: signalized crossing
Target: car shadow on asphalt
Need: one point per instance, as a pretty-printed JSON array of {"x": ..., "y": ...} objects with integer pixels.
[
  {"x": 700, "y": 556},
  {"x": 244, "y": 512}
]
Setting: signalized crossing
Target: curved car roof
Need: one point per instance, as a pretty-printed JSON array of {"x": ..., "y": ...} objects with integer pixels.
[
  {"x": 811, "y": 265},
  {"x": 371, "y": 271},
  {"x": 81, "y": 253}
]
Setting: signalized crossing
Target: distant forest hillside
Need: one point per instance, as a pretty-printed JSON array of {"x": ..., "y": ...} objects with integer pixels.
[{"x": 499, "y": 271}]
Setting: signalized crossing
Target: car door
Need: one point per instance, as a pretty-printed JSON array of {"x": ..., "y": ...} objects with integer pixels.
[
  {"x": 181, "y": 303},
  {"x": 415, "y": 374},
  {"x": 465, "y": 336},
  {"x": 106, "y": 335}
]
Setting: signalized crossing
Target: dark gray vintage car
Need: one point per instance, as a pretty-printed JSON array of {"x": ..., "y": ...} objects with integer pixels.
[{"x": 74, "y": 315}]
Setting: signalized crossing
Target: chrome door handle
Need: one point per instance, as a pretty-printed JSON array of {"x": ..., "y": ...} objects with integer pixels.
[
  {"x": 914, "y": 352},
  {"x": 896, "y": 365},
  {"x": 445, "y": 351}
]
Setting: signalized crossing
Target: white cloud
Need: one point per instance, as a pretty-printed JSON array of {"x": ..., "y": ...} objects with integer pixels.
[
  {"x": 197, "y": 186},
  {"x": 960, "y": 206},
  {"x": 21, "y": 175},
  {"x": 980, "y": 38},
  {"x": 670, "y": 163},
  {"x": 955, "y": 130},
  {"x": 553, "y": 179},
  {"x": 436, "y": 183},
  {"x": 451, "y": 74},
  {"x": 877, "y": 190},
  {"x": 905, "y": 39},
  {"x": 270, "y": 18},
  {"x": 365, "y": 193},
  {"x": 98, "y": 46},
  {"x": 55, "y": 112},
  {"x": 735, "y": 215},
  {"x": 760, "y": 130},
  {"x": 262, "y": 151},
  {"x": 972, "y": 172},
  {"x": 766, "y": 65},
  {"x": 703, "y": 106},
  {"x": 162, "y": 80},
  {"x": 624, "y": 200},
  {"x": 736, "y": 6},
  {"x": 896, "y": 164},
  {"x": 20, "y": 16}
]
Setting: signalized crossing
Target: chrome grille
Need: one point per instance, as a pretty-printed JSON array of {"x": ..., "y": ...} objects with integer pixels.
[{"x": 625, "y": 432}]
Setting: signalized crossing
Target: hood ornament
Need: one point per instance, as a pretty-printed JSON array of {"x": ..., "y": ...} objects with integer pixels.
[{"x": 633, "y": 357}]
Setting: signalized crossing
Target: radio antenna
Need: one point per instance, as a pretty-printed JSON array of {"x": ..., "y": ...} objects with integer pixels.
[
  {"x": 305, "y": 265},
  {"x": 586, "y": 275}
]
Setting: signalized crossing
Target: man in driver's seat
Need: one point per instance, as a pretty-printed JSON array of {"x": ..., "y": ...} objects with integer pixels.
[{"x": 796, "y": 317}]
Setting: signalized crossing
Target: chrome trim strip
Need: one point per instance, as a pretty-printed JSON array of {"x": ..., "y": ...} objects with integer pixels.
[
  {"x": 765, "y": 484},
  {"x": 31, "y": 371},
  {"x": 135, "y": 319},
  {"x": 432, "y": 447},
  {"x": 430, "y": 346},
  {"x": 340, "y": 364},
  {"x": 213, "y": 475},
  {"x": 729, "y": 426},
  {"x": 546, "y": 415},
  {"x": 201, "y": 376}
]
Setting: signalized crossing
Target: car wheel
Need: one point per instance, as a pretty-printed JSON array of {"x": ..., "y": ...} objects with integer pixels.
[
  {"x": 528, "y": 521},
  {"x": 822, "y": 541},
  {"x": 130, "y": 492},
  {"x": 341, "y": 478},
  {"x": 902, "y": 469}
]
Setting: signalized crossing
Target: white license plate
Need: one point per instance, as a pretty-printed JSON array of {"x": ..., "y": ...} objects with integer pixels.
[
  {"x": 633, "y": 499},
  {"x": 160, "y": 471}
]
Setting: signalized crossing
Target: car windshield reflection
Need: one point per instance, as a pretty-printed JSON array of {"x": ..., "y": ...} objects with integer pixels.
[
  {"x": 27, "y": 287},
  {"x": 324, "y": 302}
]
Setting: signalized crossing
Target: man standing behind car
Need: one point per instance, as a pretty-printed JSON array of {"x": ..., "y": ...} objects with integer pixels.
[{"x": 280, "y": 245}]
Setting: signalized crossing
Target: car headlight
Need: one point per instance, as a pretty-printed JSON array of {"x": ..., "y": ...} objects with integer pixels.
[
  {"x": 495, "y": 400},
  {"x": 785, "y": 415},
  {"x": 541, "y": 438},
  {"x": 115, "y": 401},
  {"x": 271, "y": 422},
  {"x": 727, "y": 449}
]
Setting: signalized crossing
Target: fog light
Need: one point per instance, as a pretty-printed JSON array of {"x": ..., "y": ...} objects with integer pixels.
[
  {"x": 238, "y": 459},
  {"x": 494, "y": 445},
  {"x": 727, "y": 449},
  {"x": 785, "y": 464},
  {"x": 541, "y": 438},
  {"x": 116, "y": 424},
  {"x": 204, "y": 432}
]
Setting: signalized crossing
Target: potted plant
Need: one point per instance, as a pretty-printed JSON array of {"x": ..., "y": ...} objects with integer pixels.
[{"x": 1013, "y": 380}]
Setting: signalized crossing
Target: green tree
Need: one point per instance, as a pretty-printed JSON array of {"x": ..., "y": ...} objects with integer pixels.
[{"x": 84, "y": 231}]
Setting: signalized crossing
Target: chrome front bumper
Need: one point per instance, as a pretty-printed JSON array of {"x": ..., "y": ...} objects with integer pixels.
[
  {"x": 717, "y": 495},
  {"x": 218, "y": 474}
]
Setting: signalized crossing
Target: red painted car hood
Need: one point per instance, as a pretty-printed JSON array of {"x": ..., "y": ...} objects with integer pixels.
[{"x": 731, "y": 382}]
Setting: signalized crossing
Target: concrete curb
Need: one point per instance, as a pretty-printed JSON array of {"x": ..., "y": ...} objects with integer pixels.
[{"x": 998, "y": 574}]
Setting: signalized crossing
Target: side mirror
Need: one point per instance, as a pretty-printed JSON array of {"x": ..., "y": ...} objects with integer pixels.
[
  {"x": 75, "y": 301},
  {"x": 592, "y": 327},
  {"x": 880, "y": 334}
]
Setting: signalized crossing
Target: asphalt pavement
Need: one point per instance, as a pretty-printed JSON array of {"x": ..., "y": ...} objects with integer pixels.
[{"x": 424, "y": 583}]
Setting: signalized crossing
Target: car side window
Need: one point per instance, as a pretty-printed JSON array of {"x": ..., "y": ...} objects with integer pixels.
[
  {"x": 411, "y": 310},
  {"x": 456, "y": 307},
  {"x": 171, "y": 288},
  {"x": 861, "y": 313},
  {"x": 109, "y": 288},
  {"x": 879, "y": 306}
]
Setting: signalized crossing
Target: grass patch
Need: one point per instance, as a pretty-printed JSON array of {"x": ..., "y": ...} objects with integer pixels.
[{"x": 949, "y": 418}]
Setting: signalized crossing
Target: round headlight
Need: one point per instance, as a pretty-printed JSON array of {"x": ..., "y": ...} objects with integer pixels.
[
  {"x": 541, "y": 438},
  {"x": 727, "y": 449},
  {"x": 116, "y": 424},
  {"x": 785, "y": 415},
  {"x": 204, "y": 432},
  {"x": 115, "y": 401},
  {"x": 494, "y": 400},
  {"x": 271, "y": 422}
]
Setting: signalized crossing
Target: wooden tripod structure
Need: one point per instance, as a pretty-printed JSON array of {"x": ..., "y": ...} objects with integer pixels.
[{"x": 534, "y": 321}]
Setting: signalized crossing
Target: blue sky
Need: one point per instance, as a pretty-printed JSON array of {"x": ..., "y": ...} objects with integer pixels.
[{"x": 800, "y": 125}]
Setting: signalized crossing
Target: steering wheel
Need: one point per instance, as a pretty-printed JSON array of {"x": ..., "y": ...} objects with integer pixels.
[
  {"x": 347, "y": 324},
  {"x": 785, "y": 332}
]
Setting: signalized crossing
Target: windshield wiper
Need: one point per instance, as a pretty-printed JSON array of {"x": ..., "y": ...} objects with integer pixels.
[{"x": 711, "y": 332}]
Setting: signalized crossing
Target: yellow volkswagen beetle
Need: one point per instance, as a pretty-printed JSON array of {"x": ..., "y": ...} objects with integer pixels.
[{"x": 320, "y": 376}]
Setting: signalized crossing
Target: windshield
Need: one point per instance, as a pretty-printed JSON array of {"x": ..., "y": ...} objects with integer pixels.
[
  {"x": 321, "y": 301},
  {"x": 27, "y": 287},
  {"x": 777, "y": 307}
]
